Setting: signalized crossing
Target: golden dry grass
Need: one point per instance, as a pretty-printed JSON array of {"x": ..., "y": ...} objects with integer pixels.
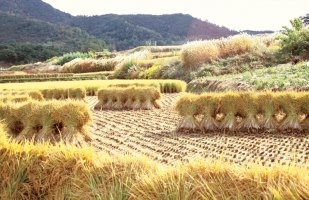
[
  {"x": 65, "y": 172},
  {"x": 89, "y": 65},
  {"x": 196, "y": 53}
]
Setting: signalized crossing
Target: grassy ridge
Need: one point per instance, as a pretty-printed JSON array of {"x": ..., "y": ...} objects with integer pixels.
[
  {"x": 281, "y": 77},
  {"x": 245, "y": 111},
  {"x": 65, "y": 172}
]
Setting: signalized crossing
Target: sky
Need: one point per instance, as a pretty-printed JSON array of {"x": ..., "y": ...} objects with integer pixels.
[{"x": 234, "y": 14}]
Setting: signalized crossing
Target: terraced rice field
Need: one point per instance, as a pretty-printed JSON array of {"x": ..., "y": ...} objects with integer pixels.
[{"x": 152, "y": 133}]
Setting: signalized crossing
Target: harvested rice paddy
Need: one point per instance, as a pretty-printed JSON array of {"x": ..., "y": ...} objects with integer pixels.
[{"x": 152, "y": 133}]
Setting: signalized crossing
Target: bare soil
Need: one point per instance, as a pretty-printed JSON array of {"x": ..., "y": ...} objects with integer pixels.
[{"x": 152, "y": 133}]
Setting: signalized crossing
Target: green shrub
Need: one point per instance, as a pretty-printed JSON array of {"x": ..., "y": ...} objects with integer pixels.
[
  {"x": 294, "y": 41},
  {"x": 122, "y": 71},
  {"x": 71, "y": 56}
]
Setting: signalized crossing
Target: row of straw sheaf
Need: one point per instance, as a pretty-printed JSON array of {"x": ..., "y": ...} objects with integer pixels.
[
  {"x": 130, "y": 98},
  {"x": 51, "y": 121},
  {"x": 245, "y": 111},
  {"x": 92, "y": 86},
  {"x": 165, "y": 86},
  {"x": 51, "y": 93},
  {"x": 43, "y": 171},
  {"x": 20, "y": 96},
  {"x": 64, "y": 93}
]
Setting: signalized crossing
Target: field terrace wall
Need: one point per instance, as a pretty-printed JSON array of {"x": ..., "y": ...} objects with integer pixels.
[
  {"x": 245, "y": 111},
  {"x": 49, "y": 121},
  {"x": 11, "y": 78},
  {"x": 130, "y": 98}
]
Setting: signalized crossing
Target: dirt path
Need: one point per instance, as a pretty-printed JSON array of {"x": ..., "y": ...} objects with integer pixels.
[{"x": 152, "y": 133}]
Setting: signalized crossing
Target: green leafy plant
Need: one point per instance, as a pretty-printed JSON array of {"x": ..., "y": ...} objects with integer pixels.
[{"x": 294, "y": 41}]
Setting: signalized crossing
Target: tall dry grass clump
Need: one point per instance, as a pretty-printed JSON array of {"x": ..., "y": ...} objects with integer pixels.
[
  {"x": 196, "y": 53},
  {"x": 245, "y": 111},
  {"x": 236, "y": 45},
  {"x": 89, "y": 65},
  {"x": 221, "y": 181},
  {"x": 199, "y": 52},
  {"x": 50, "y": 121},
  {"x": 44, "y": 171},
  {"x": 187, "y": 107},
  {"x": 131, "y": 98},
  {"x": 208, "y": 105}
]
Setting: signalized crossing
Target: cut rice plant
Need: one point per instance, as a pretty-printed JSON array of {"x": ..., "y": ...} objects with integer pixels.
[
  {"x": 50, "y": 121},
  {"x": 290, "y": 104},
  {"x": 304, "y": 100},
  {"x": 187, "y": 108},
  {"x": 132, "y": 98},
  {"x": 13, "y": 118},
  {"x": 267, "y": 109},
  {"x": 248, "y": 110},
  {"x": 69, "y": 126},
  {"x": 229, "y": 107},
  {"x": 208, "y": 105},
  {"x": 33, "y": 121}
]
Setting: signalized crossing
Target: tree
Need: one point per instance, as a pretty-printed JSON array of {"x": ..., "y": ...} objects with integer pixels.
[
  {"x": 306, "y": 19},
  {"x": 295, "y": 40}
]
